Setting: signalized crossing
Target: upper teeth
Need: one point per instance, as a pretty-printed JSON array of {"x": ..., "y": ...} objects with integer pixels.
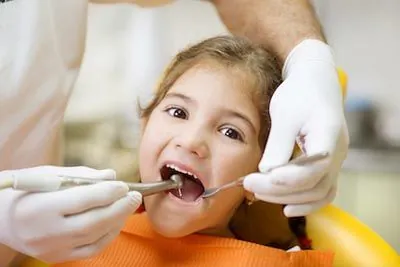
[{"x": 180, "y": 170}]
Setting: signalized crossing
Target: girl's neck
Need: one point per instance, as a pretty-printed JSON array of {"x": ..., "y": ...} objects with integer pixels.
[
  {"x": 218, "y": 231},
  {"x": 222, "y": 229}
]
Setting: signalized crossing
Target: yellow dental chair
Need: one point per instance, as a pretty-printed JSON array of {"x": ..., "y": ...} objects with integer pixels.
[{"x": 354, "y": 244}]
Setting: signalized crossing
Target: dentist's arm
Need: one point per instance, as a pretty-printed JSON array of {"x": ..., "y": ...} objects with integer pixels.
[
  {"x": 278, "y": 25},
  {"x": 307, "y": 104}
]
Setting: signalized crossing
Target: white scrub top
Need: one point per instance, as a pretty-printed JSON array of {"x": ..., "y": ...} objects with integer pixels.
[
  {"x": 42, "y": 44},
  {"x": 41, "y": 49}
]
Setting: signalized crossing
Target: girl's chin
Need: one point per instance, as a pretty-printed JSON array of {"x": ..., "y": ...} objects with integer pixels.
[
  {"x": 173, "y": 224},
  {"x": 172, "y": 217},
  {"x": 171, "y": 230}
]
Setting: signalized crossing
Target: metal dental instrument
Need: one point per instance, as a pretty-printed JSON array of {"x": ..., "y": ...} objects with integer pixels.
[
  {"x": 146, "y": 189},
  {"x": 302, "y": 160},
  {"x": 38, "y": 183}
]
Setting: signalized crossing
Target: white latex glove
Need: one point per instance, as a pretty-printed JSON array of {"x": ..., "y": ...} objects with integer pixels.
[
  {"x": 65, "y": 225},
  {"x": 307, "y": 106}
]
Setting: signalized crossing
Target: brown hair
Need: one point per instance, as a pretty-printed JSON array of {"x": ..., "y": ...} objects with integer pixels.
[{"x": 231, "y": 52}]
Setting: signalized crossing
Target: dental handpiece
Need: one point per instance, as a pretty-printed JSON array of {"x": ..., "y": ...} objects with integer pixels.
[{"x": 40, "y": 183}]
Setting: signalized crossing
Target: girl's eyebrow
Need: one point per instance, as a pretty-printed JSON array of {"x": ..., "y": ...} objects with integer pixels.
[{"x": 181, "y": 96}]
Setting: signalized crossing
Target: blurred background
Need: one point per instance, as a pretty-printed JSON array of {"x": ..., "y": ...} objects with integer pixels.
[{"x": 128, "y": 47}]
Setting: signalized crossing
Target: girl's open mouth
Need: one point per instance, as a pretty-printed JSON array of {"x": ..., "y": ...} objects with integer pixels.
[{"x": 192, "y": 187}]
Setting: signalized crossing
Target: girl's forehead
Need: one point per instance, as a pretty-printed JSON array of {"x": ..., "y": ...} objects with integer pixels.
[
  {"x": 213, "y": 72},
  {"x": 214, "y": 82}
]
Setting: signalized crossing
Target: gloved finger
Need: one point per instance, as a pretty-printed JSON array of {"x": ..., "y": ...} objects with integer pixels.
[
  {"x": 280, "y": 143},
  {"x": 100, "y": 220},
  {"x": 85, "y": 172},
  {"x": 286, "y": 180},
  {"x": 92, "y": 235},
  {"x": 307, "y": 208},
  {"x": 77, "y": 243},
  {"x": 90, "y": 250},
  {"x": 82, "y": 198},
  {"x": 320, "y": 191},
  {"x": 80, "y": 171},
  {"x": 322, "y": 135}
]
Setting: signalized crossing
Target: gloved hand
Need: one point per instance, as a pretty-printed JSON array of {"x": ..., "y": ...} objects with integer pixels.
[
  {"x": 65, "y": 225},
  {"x": 307, "y": 107}
]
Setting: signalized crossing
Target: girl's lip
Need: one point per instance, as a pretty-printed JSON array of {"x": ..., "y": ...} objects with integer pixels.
[{"x": 197, "y": 202}]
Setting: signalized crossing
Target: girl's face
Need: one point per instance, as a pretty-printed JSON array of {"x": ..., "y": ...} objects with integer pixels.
[{"x": 206, "y": 128}]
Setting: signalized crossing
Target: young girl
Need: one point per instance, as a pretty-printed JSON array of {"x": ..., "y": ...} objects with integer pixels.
[{"x": 208, "y": 122}]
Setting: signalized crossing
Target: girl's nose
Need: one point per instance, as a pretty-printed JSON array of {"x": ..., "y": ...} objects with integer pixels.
[{"x": 194, "y": 140}]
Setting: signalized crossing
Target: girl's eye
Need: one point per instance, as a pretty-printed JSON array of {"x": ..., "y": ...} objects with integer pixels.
[
  {"x": 232, "y": 133},
  {"x": 177, "y": 112}
]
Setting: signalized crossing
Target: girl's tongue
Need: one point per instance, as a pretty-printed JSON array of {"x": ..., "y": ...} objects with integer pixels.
[{"x": 191, "y": 189}]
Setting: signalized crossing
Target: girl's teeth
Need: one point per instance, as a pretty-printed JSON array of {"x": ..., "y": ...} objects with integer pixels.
[{"x": 182, "y": 171}]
